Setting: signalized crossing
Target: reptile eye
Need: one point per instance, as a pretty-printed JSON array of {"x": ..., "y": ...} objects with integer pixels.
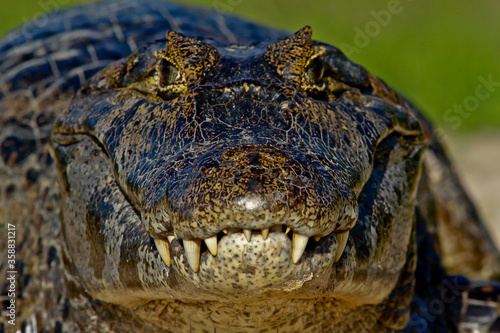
[
  {"x": 167, "y": 72},
  {"x": 314, "y": 71}
]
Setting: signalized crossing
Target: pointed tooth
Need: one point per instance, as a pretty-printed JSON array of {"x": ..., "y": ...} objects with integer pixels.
[
  {"x": 317, "y": 238},
  {"x": 341, "y": 243},
  {"x": 265, "y": 233},
  {"x": 287, "y": 230},
  {"x": 212, "y": 245},
  {"x": 224, "y": 231},
  {"x": 192, "y": 250},
  {"x": 170, "y": 238},
  {"x": 164, "y": 249},
  {"x": 248, "y": 234},
  {"x": 299, "y": 243}
]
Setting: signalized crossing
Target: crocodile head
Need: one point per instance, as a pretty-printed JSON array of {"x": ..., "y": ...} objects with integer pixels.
[{"x": 198, "y": 172}]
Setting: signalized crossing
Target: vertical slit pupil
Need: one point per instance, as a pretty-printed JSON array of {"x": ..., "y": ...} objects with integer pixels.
[{"x": 168, "y": 72}]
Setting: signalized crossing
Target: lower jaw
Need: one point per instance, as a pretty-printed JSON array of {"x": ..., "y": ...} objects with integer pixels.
[{"x": 252, "y": 270}]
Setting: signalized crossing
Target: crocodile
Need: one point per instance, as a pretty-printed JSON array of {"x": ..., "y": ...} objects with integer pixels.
[{"x": 171, "y": 169}]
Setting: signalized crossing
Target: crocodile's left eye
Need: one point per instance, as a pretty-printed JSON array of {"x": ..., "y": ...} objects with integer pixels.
[
  {"x": 315, "y": 70},
  {"x": 167, "y": 73}
]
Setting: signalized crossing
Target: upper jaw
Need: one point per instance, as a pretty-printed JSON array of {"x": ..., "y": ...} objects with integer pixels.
[{"x": 250, "y": 187}]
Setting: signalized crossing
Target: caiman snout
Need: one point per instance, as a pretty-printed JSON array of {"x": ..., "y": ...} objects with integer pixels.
[{"x": 256, "y": 190}]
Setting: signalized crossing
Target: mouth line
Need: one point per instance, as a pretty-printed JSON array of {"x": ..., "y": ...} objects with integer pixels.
[{"x": 195, "y": 248}]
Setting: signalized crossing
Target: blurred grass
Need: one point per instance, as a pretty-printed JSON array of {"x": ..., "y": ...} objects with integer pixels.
[{"x": 431, "y": 51}]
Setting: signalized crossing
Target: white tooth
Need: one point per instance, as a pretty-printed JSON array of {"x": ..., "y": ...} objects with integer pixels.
[
  {"x": 248, "y": 234},
  {"x": 170, "y": 238},
  {"x": 299, "y": 243},
  {"x": 192, "y": 250},
  {"x": 317, "y": 238},
  {"x": 341, "y": 243},
  {"x": 164, "y": 248},
  {"x": 287, "y": 230},
  {"x": 265, "y": 233},
  {"x": 224, "y": 231},
  {"x": 212, "y": 245}
]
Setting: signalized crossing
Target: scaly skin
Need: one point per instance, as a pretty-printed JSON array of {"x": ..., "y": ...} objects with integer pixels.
[{"x": 194, "y": 137}]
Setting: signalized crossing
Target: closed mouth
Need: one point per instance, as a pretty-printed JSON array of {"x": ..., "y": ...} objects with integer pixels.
[{"x": 297, "y": 244}]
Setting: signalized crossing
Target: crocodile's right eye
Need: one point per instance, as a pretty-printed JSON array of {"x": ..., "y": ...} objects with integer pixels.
[{"x": 167, "y": 72}]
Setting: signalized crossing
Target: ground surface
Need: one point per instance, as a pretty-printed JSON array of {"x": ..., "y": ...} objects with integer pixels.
[{"x": 477, "y": 159}]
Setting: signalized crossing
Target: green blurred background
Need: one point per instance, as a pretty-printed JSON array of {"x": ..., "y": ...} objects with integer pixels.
[{"x": 433, "y": 52}]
